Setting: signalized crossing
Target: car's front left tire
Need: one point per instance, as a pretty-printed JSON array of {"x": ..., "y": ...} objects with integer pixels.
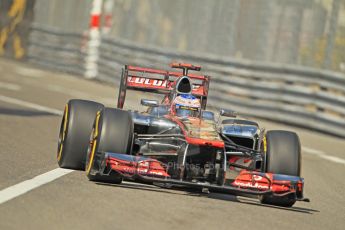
[
  {"x": 283, "y": 156},
  {"x": 76, "y": 126}
]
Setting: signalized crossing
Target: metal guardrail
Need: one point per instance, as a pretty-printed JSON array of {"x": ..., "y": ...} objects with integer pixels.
[
  {"x": 293, "y": 94},
  {"x": 56, "y": 50}
]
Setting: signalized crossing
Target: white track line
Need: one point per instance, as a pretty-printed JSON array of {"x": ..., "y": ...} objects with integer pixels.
[
  {"x": 29, "y": 72},
  {"x": 79, "y": 94},
  {"x": 28, "y": 185},
  {"x": 30, "y": 105},
  {"x": 70, "y": 92},
  {"x": 323, "y": 155},
  {"x": 9, "y": 86}
]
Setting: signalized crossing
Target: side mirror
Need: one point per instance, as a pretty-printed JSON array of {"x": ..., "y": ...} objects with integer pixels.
[
  {"x": 227, "y": 113},
  {"x": 149, "y": 102}
]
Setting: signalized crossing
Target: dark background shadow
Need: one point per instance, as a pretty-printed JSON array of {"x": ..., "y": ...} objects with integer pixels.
[
  {"x": 195, "y": 192},
  {"x": 23, "y": 112}
]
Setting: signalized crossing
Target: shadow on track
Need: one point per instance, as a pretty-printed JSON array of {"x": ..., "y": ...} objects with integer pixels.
[
  {"x": 198, "y": 193},
  {"x": 254, "y": 201},
  {"x": 23, "y": 112}
]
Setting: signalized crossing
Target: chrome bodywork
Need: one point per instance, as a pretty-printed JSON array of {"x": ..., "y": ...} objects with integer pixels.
[
  {"x": 155, "y": 123},
  {"x": 242, "y": 131}
]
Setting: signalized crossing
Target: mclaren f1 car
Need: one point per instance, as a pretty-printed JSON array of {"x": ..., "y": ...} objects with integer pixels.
[{"x": 177, "y": 142}]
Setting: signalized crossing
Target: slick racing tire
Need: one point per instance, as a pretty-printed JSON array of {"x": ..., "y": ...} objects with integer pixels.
[
  {"x": 112, "y": 132},
  {"x": 76, "y": 126},
  {"x": 283, "y": 156}
]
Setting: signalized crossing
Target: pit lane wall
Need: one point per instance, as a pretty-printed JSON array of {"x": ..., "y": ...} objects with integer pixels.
[{"x": 297, "y": 95}]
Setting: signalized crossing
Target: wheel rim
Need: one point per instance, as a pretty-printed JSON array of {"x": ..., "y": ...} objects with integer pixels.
[
  {"x": 89, "y": 151},
  {"x": 92, "y": 146},
  {"x": 62, "y": 133}
]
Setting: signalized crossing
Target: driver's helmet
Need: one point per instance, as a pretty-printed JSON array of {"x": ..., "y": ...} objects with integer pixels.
[{"x": 186, "y": 105}]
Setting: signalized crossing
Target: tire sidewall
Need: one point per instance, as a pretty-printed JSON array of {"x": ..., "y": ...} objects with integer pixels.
[
  {"x": 282, "y": 156},
  {"x": 114, "y": 134},
  {"x": 79, "y": 116}
]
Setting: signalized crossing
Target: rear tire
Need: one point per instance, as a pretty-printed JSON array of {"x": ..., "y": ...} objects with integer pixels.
[
  {"x": 112, "y": 132},
  {"x": 76, "y": 126},
  {"x": 283, "y": 156}
]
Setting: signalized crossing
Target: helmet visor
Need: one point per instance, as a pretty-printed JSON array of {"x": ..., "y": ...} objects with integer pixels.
[{"x": 183, "y": 111}]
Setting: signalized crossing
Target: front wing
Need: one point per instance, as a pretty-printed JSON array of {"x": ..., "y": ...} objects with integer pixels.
[{"x": 246, "y": 183}]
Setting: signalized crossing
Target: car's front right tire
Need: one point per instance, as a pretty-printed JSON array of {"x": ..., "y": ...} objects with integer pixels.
[{"x": 112, "y": 132}]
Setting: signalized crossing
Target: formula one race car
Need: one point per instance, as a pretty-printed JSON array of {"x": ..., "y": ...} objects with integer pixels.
[{"x": 178, "y": 143}]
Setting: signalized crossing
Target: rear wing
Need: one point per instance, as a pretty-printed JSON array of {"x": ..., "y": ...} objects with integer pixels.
[{"x": 159, "y": 81}]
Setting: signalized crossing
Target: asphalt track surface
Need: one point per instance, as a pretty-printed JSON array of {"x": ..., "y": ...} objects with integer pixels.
[{"x": 31, "y": 101}]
